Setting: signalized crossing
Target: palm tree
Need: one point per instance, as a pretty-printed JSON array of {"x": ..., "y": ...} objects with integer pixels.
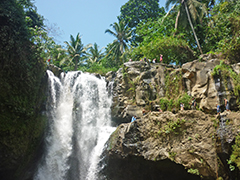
[
  {"x": 76, "y": 51},
  {"x": 192, "y": 6},
  {"x": 123, "y": 35},
  {"x": 94, "y": 55}
]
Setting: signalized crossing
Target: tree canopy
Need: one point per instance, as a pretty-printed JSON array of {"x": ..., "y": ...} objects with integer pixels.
[
  {"x": 188, "y": 29},
  {"x": 135, "y": 11},
  {"x": 123, "y": 35}
]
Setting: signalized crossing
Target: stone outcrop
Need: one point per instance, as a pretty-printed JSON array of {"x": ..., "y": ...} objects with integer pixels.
[
  {"x": 141, "y": 84},
  {"x": 56, "y": 70},
  {"x": 189, "y": 144},
  {"x": 188, "y": 141}
]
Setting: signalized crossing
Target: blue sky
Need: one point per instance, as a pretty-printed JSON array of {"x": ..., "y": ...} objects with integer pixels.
[{"x": 90, "y": 18}]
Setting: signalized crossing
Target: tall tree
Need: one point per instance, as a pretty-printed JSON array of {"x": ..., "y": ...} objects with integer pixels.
[
  {"x": 134, "y": 11},
  {"x": 123, "y": 36},
  {"x": 190, "y": 9},
  {"x": 76, "y": 51},
  {"x": 94, "y": 54},
  {"x": 32, "y": 17}
]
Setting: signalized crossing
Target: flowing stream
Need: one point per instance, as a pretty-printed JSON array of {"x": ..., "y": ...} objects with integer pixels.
[{"x": 78, "y": 111}]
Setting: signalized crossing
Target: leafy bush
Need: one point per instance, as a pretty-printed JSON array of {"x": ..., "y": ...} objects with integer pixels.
[
  {"x": 173, "y": 84},
  {"x": 98, "y": 68},
  {"x": 185, "y": 99},
  {"x": 193, "y": 171},
  {"x": 163, "y": 102},
  {"x": 22, "y": 90},
  {"x": 172, "y": 127},
  {"x": 235, "y": 156},
  {"x": 226, "y": 72},
  {"x": 224, "y": 31},
  {"x": 166, "y": 104},
  {"x": 173, "y": 50}
]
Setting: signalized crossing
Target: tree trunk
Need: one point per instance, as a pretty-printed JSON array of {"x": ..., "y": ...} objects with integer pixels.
[
  {"x": 76, "y": 64},
  {"x": 176, "y": 22},
  {"x": 190, "y": 22}
]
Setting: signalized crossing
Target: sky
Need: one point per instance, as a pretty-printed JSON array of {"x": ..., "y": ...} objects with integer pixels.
[{"x": 89, "y": 18}]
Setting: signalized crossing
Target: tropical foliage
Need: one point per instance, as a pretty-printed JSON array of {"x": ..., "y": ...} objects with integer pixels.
[
  {"x": 188, "y": 10},
  {"x": 188, "y": 29},
  {"x": 76, "y": 52},
  {"x": 123, "y": 35},
  {"x": 135, "y": 11},
  {"x": 94, "y": 55},
  {"x": 21, "y": 74},
  {"x": 223, "y": 30},
  {"x": 158, "y": 40}
]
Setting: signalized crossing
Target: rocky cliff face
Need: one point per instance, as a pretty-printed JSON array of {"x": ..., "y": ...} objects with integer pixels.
[
  {"x": 167, "y": 145},
  {"x": 140, "y": 84},
  {"x": 189, "y": 144}
]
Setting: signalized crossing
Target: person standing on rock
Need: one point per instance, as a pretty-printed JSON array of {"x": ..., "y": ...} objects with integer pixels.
[
  {"x": 144, "y": 112},
  {"x": 218, "y": 109},
  {"x": 226, "y": 104},
  {"x": 182, "y": 106},
  {"x": 193, "y": 104},
  {"x": 133, "y": 118},
  {"x": 161, "y": 58}
]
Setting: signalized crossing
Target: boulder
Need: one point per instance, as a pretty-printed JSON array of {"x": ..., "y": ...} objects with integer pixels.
[{"x": 56, "y": 70}]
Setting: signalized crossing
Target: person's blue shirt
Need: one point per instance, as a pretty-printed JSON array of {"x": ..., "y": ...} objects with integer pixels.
[
  {"x": 218, "y": 108},
  {"x": 133, "y": 119}
]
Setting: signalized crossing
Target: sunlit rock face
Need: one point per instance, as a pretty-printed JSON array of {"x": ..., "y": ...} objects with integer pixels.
[
  {"x": 142, "y": 83},
  {"x": 170, "y": 146}
]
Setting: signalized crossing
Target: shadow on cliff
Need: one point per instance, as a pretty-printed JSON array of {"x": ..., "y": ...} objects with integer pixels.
[{"x": 137, "y": 168}]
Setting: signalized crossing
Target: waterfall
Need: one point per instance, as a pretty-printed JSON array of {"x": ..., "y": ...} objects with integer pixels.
[{"x": 78, "y": 111}]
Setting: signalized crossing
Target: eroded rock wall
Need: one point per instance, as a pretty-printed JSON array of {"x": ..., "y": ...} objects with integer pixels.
[
  {"x": 188, "y": 140},
  {"x": 197, "y": 141},
  {"x": 140, "y": 84}
]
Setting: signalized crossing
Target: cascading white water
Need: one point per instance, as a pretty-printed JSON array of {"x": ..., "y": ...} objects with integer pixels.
[{"x": 79, "y": 125}]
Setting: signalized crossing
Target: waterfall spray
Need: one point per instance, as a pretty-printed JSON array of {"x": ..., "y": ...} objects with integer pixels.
[{"x": 79, "y": 125}]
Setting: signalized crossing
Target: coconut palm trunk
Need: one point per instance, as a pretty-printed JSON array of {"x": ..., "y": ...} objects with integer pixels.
[
  {"x": 75, "y": 64},
  {"x": 190, "y": 22}
]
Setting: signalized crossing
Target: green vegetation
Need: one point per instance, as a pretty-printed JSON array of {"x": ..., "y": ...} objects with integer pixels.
[
  {"x": 172, "y": 127},
  {"x": 144, "y": 29},
  {"x": 76, "y": 52},
  {"x": 172, "y": 155},
  {"x": 173, "y": 84},
  {"x": 174, "y": 92},
  {"x": 170, "y": 104},
  {"x": 123, "y": 34},
  {"x": 226, "y": 72},
  {"x": 22, "y": 92},
  {"x": 235, "y": 156},
  {"x": 193, "y": 171}
]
